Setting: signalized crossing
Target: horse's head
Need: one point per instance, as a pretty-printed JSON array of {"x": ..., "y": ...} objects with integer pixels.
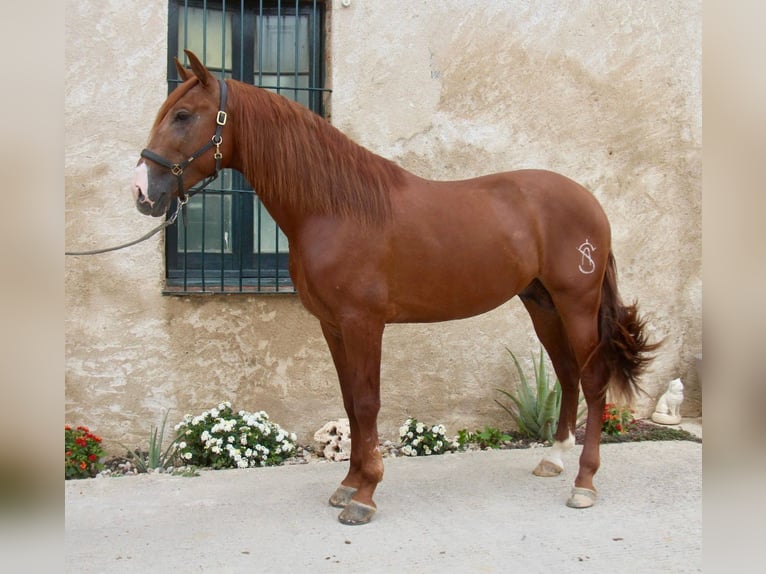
[{"x": 188, "y": 142}]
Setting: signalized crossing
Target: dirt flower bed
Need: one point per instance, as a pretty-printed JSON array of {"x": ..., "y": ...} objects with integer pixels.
[{"x": 641, "y": 430}]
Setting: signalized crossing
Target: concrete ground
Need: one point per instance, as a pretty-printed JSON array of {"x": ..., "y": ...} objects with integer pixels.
[{"x": 466, "y": 512}]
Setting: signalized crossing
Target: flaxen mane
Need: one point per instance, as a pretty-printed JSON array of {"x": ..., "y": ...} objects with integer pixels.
[{"x": 298, "y": 158}]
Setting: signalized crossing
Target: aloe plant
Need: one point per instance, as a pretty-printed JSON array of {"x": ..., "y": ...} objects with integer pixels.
[
  {"x": 535, "y": 410},
  {"x": 155, "y": 457}
]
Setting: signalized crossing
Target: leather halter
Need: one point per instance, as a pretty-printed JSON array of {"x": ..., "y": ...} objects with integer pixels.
[{"x": 177, "y": 169}]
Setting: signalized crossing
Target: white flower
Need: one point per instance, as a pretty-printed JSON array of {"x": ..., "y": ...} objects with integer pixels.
[
  {"x": 243, "y": 440},
  {"x": 187, "y": 455},
  {"x": 426, "y": 449},
  {"x": 242, "y": 463},
  {"x": 403, "y": 430},
  {"x": 216, "y": 449},
  {"x": 419, "y": 428},
  {"x": 231, "y": 438},
  {"x": 182, "y": 444}
]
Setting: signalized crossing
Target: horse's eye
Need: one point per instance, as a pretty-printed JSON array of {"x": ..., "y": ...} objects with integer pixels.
[{"x": 182, "y": 116}]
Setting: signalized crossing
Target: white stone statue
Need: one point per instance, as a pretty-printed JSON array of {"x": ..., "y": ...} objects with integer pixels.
[
  {"x": 334, "y": 439},
  {"x": 668, "y": 409}
]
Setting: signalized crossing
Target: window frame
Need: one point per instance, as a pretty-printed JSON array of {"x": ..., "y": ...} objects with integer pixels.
[{"x": 246, "y": 269}]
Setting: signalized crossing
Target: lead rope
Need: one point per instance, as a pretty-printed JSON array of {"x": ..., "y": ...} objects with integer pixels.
[{"x": 167, "y": 223}]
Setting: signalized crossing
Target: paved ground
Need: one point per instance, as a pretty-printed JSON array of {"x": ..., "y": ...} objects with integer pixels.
[{"x": 466, "y": 512}]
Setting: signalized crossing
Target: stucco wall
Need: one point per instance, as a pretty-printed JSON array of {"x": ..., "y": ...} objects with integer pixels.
[{"x": 605, "y": 92}]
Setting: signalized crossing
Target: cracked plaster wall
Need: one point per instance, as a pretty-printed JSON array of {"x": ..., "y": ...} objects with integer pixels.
[{"x": 607, "y": 93}]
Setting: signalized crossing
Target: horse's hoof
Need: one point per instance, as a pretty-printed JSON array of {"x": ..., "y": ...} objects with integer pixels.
[
  {"x": 581, "y": 498},
  {"x": 356, "y": 513},
  {"x": 547, "y": 468},
  {"x": 342, "y": 496}
]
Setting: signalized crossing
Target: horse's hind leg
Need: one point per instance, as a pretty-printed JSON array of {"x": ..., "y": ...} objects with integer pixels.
[
  {"x": 579, "y": 314},
  {"x": 550, "y": 330}
]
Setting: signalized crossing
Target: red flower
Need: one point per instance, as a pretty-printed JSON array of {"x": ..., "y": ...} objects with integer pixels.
[
  {"x": 68, "y": 453},
  {"x": 92, "y": 457},
  {"x": 67, "y": 427},
  {"x": 83, "y": 429},
  {"x": 83, "y": 465}
]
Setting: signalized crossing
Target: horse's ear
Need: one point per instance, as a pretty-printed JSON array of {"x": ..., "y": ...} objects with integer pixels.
[
  {"x": 183, "y": 73},
  {"x": 199, "y": 69}
]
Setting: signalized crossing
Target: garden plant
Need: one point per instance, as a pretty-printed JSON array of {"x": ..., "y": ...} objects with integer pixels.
[{"x": 82, "y": 452}]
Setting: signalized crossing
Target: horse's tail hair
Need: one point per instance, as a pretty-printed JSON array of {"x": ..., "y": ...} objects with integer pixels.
[{"x": 623, "y": 342}]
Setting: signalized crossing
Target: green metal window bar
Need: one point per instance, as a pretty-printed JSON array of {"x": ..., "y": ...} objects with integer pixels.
[{"x": 228, "y": 242}]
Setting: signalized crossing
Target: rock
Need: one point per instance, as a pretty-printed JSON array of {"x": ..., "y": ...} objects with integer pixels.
[{"x": 334, "y": 440}]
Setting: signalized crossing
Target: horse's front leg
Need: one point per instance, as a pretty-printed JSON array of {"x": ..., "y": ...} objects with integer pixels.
[
  {"x": 356, "y": 351},
  {"x": 348, "y": 486}
]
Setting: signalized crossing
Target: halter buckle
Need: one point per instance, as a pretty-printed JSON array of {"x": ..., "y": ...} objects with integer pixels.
[
  {"x": 176, "y": 170},
  {"x": 221, "y": 118}
]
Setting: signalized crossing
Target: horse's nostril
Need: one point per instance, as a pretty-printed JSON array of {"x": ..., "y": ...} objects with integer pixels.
[
  {"x": 140, "y": 197},
  {"x": 140, "y": 183}
]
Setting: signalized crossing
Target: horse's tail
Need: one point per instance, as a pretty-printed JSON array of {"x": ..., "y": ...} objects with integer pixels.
[{"x": 623, "y": 343}]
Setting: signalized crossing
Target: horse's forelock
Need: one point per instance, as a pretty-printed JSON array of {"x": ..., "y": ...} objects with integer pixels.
[{"x": 173, "y": 98}]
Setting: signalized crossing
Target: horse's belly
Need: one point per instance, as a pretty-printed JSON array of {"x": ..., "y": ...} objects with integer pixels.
[{"x": 455, "y": 291}]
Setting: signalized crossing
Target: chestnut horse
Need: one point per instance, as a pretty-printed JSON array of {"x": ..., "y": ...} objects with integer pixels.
[{"x": 371, "y": 244}]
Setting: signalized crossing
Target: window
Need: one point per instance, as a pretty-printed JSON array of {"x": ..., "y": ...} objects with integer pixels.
[{"x": 228, "y": 242}]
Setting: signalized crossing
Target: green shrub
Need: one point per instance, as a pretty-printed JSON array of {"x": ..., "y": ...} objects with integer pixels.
[
  {"x": 221, "y": 438},
  {"x": 488, "y": 438},
  {"x": 419, "y": 439},
  {"x": 535, "y": 411}
]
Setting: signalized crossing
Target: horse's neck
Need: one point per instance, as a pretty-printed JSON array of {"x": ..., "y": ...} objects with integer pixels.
[{"x": 301, "y": 165}]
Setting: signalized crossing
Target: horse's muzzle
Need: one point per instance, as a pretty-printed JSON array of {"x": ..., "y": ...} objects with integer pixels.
[{"x": 155, "y": 207}]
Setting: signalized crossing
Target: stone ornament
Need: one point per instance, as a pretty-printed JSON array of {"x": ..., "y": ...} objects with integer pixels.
[
  {"x": 668, "y": 409},
  {"x": 334, "y": 440}
]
